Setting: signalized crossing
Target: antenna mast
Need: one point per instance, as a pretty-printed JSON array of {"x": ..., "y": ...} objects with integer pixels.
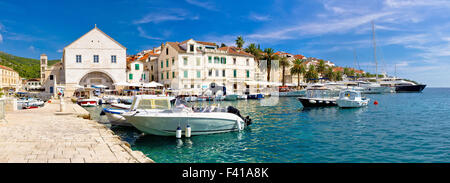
[{"x": 375, "y": 51}]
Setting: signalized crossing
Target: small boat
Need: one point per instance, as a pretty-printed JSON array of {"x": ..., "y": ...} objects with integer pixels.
[
  {"x": 219, "y": 98},
  {"x": 126, "y": 100},
  {"x": 351, "y": 99},
  {"x": 121, "y": 106},
  {"x": 115, "y": 116},
  {"x": 88, "y": 102},
  {"x": 157, "y": 116},
  {"x": 242, "y": 97},
  {"x": 319, "y": 96},
  {"x": 256, "y": 96},
  {"x": 110, "y": 100},
  {"x": 190, "y": 99},
  {"x": 231, "y": 97}
]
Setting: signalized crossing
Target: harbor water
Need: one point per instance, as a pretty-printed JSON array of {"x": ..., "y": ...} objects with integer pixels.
[{"x": 403, "y": 127}]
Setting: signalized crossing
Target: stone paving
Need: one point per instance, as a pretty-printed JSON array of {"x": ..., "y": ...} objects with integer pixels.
[{"x": 43, "y": 136}]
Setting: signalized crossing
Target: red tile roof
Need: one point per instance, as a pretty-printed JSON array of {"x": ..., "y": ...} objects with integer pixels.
[
  {"x": 235, "y": 51},
  {"x": 6, "y": 68}
]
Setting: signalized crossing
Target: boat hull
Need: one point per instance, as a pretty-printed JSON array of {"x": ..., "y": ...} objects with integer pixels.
[
  {"x": 410, "y": 88},
  {"x": 308, "y": 102},
  {"x": 115, "y": 116},
  {"x": 231, "y": 97},
  {"x": 352, "y": 103},
  {"x": 165, "y": 124}
]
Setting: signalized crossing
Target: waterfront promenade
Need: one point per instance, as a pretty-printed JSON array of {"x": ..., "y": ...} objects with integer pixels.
[{"x": 45, "y": 136}]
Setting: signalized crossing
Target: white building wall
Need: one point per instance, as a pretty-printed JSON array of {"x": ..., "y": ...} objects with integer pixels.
[{"x": 93, "y": 43}]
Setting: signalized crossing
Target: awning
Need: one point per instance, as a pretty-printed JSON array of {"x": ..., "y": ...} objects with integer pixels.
[
  {"x": 152, "y": 84},
  {"x": 127, "y": 84},
  {"x": 99, "y": 86}
]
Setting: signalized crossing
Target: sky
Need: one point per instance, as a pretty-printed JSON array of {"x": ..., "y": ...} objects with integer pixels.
[{"x": 412, "y": 36}]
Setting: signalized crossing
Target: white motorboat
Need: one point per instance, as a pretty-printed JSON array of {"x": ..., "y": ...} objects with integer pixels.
[
  {"x": 159, "y": 116},
  {"x": 120, "y": 106},
  {"x": 191, "y": 99},
  {"x": 242, "y": 97},
  {"x": 88, "y": 102},
  {"x": 115, "y": 116},
  {"x": 351, "y": 99},
  {"x": 110, "y": 100}
]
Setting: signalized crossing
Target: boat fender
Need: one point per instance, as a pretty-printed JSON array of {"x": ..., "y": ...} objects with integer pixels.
[
  {"x": 238, "y": 124},
  {"x": 312, "y": 101},
  {"x": 178, "y": 132},
  {"x": 188, "y": 131},
  {"x": 375, "y": 103}
]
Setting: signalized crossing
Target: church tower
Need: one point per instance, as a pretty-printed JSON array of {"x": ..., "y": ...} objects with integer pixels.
[{"x": 43, "y": 66}]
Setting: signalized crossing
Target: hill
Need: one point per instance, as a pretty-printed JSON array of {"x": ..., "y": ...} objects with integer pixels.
[{"x": 26, "y": 67}]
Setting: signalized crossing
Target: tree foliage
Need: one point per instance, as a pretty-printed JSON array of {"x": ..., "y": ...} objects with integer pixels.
[{"x": 26, "y": 67}]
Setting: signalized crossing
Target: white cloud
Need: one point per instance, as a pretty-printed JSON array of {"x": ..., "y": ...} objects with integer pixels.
[
  {"x": 166, "y": 15},
  {"x": 32, "y": 48},
  {"x": 59, "y": 51},
  {"x": 143, "y": 34},
  {"x": 204, "y": 4},
  {"x": 258, "y": 17}
]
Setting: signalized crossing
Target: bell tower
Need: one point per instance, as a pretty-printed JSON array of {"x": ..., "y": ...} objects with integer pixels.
[{"x": 43, "y": 64}]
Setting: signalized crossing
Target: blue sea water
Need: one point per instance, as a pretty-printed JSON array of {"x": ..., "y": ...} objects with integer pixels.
[{"x": 403, "y": 127}]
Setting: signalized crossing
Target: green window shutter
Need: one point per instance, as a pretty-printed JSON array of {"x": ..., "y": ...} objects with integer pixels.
[
  {"x": 130, "y": 76},
  {"x": 162, "y": 75},
  {"x": 198, "y": 74},
  {"x": 185, "y": 74},
  {"x": 162, "y": 64},
  {"x": 167, "y": 63},
  {"x": 173, "y": 74},
  {"x": 235, "y": 73},
  {"x": 143, "y": 76},
  {"x": 224, "y": 60},
  {"x": 136, "y": 66},
  {"x": 248, "y": 73},
  {"x": 210, "y": 59},
  {"x": 167, "y": 75}
]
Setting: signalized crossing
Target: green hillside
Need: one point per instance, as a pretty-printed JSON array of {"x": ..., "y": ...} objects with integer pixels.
[{"x": 26, "y": 67}]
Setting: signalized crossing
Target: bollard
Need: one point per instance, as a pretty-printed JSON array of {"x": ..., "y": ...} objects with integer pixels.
[{"x": 62, "y": 105}]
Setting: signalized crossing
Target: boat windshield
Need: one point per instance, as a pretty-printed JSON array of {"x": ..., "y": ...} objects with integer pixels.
[
  {"x": 350, "y": 94},
  {"x": 154, "y": 104}
]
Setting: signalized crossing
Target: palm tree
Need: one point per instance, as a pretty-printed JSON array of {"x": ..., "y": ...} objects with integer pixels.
[
  {"x": 299, "y": 69},
  {"x": 269, "y": 56},
  {"x": 321, "y": 67},
  {"x": 240, "y": 42},
  {"x": 255, "y": 51},
  {"x": 284, "y": 63},
  {"x": 312, "y": 73},
  {"x": 223, "y": 45}
]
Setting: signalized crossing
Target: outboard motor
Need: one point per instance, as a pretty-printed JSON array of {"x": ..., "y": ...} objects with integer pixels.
[{"x": 233, "y": 110}]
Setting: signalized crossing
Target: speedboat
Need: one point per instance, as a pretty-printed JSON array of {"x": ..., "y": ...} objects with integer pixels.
[
  {"x": 255, "y": 96},
  {"x": 163, "y": 116},
  {"x": 115, "y": 116},
  {"x": 351, "y": 99},
  {"x": 110, "y": 100},
  {"x": 92, "y": 102},
  {"x": 319, "y": 96},
  {"x": 120, "y": 106},
  {"x": 242, "y": 97},
  {"x": 231, "y": 97},
  {"x": 191, "y": 99}
]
